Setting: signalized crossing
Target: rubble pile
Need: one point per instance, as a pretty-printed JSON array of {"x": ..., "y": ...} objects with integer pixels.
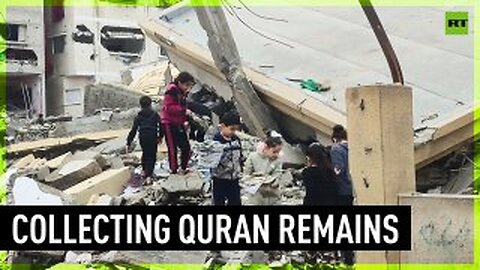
[{"x": 102, "y": 175}]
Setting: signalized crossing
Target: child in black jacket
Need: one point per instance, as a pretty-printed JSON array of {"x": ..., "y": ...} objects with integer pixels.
[
  {"x": 150, "y": 133},
  {"x": 319, "y": 178}
]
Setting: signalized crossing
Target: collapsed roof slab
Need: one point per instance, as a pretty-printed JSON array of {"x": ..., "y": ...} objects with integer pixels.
[{"x": 437, "y": 67}]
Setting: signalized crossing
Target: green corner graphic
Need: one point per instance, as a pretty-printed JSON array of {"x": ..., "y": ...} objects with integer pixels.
[{"x": 456, "y": 23}]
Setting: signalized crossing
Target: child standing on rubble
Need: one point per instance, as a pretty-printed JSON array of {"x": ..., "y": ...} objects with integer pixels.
[
  {"x": 150, "y": 133},
  {"x": 174, "y": 117},
  {"x": 339, "y": 157},
  {"x": 226, "y": 176},
  {"x": 318, "y": 177}
]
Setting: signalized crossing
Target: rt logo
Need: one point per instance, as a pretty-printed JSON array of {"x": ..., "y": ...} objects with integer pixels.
[{"x": 456, "y": 23}]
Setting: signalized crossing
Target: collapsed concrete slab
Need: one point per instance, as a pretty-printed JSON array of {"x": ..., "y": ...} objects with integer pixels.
[
  {"x": 116, "y": 146},
  {"x": 111, "y": 182},
  {"x": 42, "y": 173},
  {"x": 115, "y": 162},
  {"x": 36, "y": 164},
  {"x": 24, "y": 162},
  {"x": 90, "y": 154},
  {"x": 73, "y": 173},
  {"x": 190, "y": 184},
  {"x": 59, "y": 161}
]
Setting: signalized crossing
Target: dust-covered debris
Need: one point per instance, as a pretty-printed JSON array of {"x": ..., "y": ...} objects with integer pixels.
[{"x": 73, "y": 173}]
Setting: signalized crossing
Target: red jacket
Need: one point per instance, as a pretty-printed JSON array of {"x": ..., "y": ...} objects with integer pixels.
[{"x": 174, "y": 106}]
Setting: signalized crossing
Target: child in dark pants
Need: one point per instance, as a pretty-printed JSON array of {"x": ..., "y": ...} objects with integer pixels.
[
  {"x": 175, "y": 121},
  {"x": 150, "y": 133},
  {"x": 226, "y": 189},
  {"x": 226, "y": 176}
]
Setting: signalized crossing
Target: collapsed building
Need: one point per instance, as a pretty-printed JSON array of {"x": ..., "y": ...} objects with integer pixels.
[
  {"x": 24, "y": 55},
  {"x": 93, "y": 45},
  {"x": 54, "y": 52},
  {"x": 443, "y": 117}
]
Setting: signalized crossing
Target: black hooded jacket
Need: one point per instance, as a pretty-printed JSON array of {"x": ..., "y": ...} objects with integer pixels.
[{"x": 147, "y": 123}]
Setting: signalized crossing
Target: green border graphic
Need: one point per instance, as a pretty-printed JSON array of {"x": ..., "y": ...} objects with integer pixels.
[{"x": 475, "y": 17}]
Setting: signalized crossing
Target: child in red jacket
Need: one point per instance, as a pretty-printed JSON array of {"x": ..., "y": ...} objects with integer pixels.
[{"x": 174, "y": 117}]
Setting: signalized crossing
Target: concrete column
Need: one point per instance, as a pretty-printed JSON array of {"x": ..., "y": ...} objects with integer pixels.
[{"x": 381, "y": 150}]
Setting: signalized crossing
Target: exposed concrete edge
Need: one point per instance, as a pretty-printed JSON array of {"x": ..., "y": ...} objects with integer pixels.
[
  {"x": 28, "y": 147},
  {"x": 451, "y": 133}
]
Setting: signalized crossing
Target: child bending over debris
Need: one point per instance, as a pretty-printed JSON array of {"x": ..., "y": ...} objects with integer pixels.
[
  {"x": 265, "y": 166},
  {"x": 175, "y": 121},
  {"x": 226, "y": 176},
  {"x": 262, "y": 169},
  {"x": 150, "y": 133},
  {"x": 265, "y": 161}
]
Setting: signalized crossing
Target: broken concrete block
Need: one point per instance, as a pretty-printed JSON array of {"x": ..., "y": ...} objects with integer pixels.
[
  {"x": 73, "y": 258},
  {"x": 115, "y": 163},
  {"x": 93, "y": 199},
  {"x": 59, "y": 161},
  {"x": 26, "y": 191},
  {"x": 111, "y": 182},
  {"x": 73, "y": 173},
  {"x": 116, "y": 146},
  {"x": 24, "y": 162},
  {"x": 90, "y": 154},
  {"x": 36, "y": 164},
  {"x": 105, "y": 199},
  {"x": 292, "y": 156},
  {"x": 190, "y": 184},
  {"x": 106, "y": 115},
  {"x": 43, "y": 173}
]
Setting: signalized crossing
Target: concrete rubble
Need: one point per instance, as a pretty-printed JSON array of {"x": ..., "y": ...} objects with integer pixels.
[
  {"x": 73, "y": 173},
  {"x": 100, "y": 173}
]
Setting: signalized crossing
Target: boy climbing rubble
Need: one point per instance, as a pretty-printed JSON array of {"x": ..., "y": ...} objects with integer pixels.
[{"x": 150, "y": 133}]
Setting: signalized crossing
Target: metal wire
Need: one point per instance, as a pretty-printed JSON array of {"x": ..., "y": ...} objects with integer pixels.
[
  {"x": 235, "y": 14},
  {"x": 261, "y": 16}
]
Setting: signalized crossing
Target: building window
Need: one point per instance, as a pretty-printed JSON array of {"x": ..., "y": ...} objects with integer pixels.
[
  {"x": 73, "y": 96},
  {"x": 82, "y": 34},
  {"x": 123, "y": 40},
  {"x": 13, "y": 32},
  {"x": 22, "y": 56},
  {"x": 58, "y": 44}
]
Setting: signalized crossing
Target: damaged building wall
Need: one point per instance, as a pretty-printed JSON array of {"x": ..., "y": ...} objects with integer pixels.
[
  {"x": 103, "y": 43},
  {"x": 25, "y": 55},
  {"x": 109, "y": 96}
]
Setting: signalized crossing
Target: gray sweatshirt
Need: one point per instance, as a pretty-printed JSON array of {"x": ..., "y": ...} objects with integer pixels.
[{"x": 259, "y": 164}]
